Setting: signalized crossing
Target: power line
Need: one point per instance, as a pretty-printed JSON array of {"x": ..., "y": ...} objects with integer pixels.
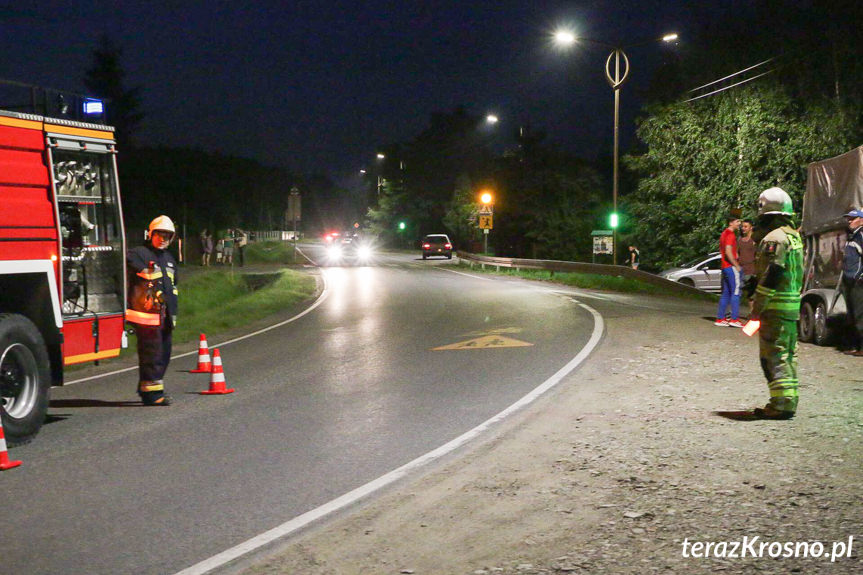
[
  {"x": 728, "y": 87},
  {"x": 734, "y": 74}
]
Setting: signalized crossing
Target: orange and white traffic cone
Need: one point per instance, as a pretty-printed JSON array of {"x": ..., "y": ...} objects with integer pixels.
[
  {"x": 217, "y": 377},
  {"x": 5, "y": 463},
  {"x": 204, "y": 365}
]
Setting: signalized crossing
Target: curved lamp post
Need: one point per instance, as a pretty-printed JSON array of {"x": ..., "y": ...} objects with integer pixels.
[{"x": 616, "y": 78}]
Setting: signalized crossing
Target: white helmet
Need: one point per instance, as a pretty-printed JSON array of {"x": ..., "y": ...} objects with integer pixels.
[
  {"x": 162, "y": 223},
  {"x": 775, "y": 201}
]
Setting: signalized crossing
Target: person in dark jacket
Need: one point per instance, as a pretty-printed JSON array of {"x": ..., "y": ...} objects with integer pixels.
[
  {"x": 152, "y": 308},
  {"x": 852, "y": 280}
]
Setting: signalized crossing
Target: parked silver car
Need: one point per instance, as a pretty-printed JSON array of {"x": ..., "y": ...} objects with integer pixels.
[{"x": 703, "y": 273}]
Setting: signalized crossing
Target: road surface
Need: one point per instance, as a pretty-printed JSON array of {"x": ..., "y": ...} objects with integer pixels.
[{"x": 398, "y": 358}]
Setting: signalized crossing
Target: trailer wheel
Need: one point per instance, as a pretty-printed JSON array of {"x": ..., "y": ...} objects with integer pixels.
[
  {"x": 24, "y": 378},
  {"x": 813, "y": 323},
  {"x": 807, "y": 322},
  {"x": 820, "y": 331}
]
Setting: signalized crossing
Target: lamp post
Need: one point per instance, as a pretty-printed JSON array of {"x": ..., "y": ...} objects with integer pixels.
[
  {"x": 380, "y": 157},
  {"x": 615, "y": 78}
]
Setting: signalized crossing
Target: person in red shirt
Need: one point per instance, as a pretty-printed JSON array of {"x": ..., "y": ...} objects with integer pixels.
[{"x": 730, "y": 276}]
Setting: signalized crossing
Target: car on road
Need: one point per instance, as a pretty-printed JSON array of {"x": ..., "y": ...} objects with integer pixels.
[
  {"x": 437, "y": 245},
  {"x": 350, "y": 248},
  {"x": 704, "y": 273}
]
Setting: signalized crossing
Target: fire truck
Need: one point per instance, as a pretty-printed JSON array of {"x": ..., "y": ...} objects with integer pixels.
[{"x": 62, "y": 249}]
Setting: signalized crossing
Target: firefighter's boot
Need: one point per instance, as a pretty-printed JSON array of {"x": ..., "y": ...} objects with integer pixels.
[{"x": 153, "y": 393}]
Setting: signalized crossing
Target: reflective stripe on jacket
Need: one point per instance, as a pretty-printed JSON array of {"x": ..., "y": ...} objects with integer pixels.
[
  {"x": 782, "y": 248},
  {"x": 152, "y": 294}
]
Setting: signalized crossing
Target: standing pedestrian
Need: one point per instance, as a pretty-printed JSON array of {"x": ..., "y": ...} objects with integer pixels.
[
  {"x": 220, "y": 251},
  {"x": 730, "y": 275},
  {"x": 229, "y": 247},
  {"x": 206, "y": 247},
  {"x": 240, "y": 241},
  {"x": 852, "y": 280},
  {"x": 746, "y": 252},
  {"x": 634, "y": 256},
  {"x": 152, "y": 309},
  {"x": 779, "y": 267}
]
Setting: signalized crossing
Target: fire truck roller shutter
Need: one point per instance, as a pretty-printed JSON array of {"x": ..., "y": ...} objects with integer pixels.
[{"x": 25, "y": 378}]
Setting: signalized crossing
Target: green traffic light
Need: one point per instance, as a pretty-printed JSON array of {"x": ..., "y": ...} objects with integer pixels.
[
  {"x": 613, "y": 220},
  {"x": 401, "y": 225}
]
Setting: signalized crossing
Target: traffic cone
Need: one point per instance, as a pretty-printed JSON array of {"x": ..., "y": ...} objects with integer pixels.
[
  {"x": 217, "y": 377},
  {"x": 4, "y": 455},
  {"x": 204, "y": 365}
]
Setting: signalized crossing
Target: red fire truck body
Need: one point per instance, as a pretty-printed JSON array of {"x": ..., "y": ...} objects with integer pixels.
[{"x": 62, "y": 256}]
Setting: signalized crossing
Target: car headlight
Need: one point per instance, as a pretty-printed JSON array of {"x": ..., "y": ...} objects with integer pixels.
[
  {"x": 364, "y": 252},
  {"x": 334, "y": 252}
]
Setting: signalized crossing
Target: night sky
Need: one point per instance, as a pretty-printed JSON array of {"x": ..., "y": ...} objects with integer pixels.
[{"x": 316, "y": 86}]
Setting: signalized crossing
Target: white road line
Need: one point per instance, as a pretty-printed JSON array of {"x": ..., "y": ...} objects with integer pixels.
[
  {"x": 352, "y": 497},
  {"x": 488, "y": 279},
  {"x": 318, "y": 302}
]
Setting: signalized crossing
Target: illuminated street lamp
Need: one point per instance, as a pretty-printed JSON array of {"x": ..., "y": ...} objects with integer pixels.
[
  {"x": 615, "y": 78},
  {"x": 491, "y": 119}
]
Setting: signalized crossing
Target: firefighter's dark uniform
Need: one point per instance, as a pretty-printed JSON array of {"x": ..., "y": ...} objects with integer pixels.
[
  {"x": 152, "y": 309},
  {"x": 779, "y": 267}
]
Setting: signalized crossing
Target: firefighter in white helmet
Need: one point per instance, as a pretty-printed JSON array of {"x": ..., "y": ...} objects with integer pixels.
[{"x": 152, "y": 307}]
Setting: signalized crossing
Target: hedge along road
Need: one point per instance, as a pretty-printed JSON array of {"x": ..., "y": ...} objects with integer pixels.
[{"x": 397, "y": 360}]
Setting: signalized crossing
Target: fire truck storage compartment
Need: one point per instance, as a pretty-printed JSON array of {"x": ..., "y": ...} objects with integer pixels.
[{"x": 93, "y": 262}]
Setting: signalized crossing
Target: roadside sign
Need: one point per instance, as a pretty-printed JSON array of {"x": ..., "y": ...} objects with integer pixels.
[
  {"x": 485, "y": 221},
  {"x": 294, "y": 211},
  {"x": 603, "y": 241}
]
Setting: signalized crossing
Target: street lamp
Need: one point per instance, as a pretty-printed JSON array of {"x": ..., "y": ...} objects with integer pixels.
[{"x": 615, "y": 78}]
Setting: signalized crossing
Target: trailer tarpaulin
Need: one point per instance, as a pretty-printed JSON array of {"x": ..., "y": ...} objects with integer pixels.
[{"x": 833, "y": 187}]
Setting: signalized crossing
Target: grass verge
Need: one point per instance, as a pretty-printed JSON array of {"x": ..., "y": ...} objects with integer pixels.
[
  {"x": 273, "y": 252},
  {"x": 591, "y": 281},
  {"x": 218, "y": 301}
]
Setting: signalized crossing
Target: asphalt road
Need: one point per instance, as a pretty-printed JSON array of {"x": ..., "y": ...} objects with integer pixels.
[{"x": 325, "y": 404}]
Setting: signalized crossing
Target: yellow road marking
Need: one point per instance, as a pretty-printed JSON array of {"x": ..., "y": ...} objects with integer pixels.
[{"x": 485, "y": 342}]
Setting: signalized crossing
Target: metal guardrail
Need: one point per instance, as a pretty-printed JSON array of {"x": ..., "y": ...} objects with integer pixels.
[
  {"x": 272, "y": 235},
  {"x": 576, "y": 267}
]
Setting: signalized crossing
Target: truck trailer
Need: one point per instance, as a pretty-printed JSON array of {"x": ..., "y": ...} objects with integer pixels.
[{"x": 833, "y": 188}]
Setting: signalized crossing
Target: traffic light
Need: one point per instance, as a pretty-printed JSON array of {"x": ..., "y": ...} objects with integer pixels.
[
  {"x": 401, "y": 226},
  {"x": 613, "y": 220}
]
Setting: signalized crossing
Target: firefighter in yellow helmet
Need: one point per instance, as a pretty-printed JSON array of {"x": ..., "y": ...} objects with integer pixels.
[
  {"x": 152, "y": 307},
  {"x": 779, "y": 268}
]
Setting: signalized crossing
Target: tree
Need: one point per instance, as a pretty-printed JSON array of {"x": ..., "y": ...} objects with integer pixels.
[
  {"x": 460, "y": 219},
  {"x": 105, "y": 79},
  {"x": 707, "y": 157}
]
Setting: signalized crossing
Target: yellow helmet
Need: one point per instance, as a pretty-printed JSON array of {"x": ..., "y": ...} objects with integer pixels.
[{"x": 162, "y": 223}]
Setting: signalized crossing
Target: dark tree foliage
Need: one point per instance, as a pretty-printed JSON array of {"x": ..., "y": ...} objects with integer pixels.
[
  {"x": 548, "y": 203},
  {"x": 417, "y": 178},
  {"x": 703, "y": 158},
  {"x": 545, "y": 203},
  {"x": 105, "y": 79}
]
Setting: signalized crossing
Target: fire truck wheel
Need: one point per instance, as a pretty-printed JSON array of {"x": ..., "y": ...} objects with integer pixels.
[{"x": 24, "y": 378}]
